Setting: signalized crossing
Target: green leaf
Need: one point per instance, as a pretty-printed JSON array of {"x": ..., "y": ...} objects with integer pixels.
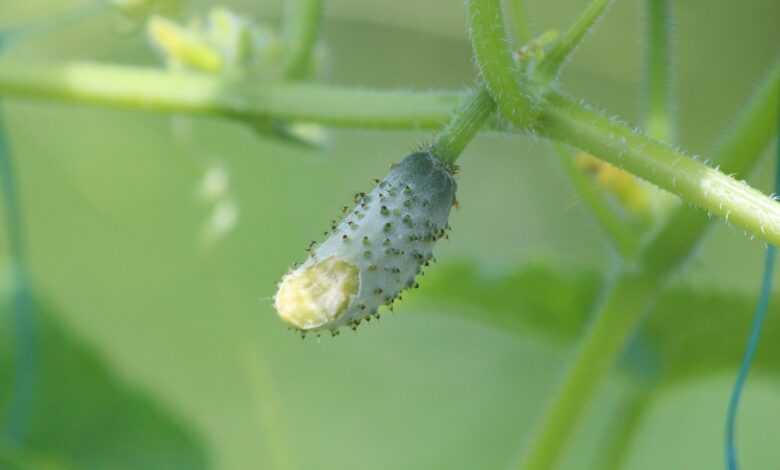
[
  {"x": 690, "y": 331},
  {"x": 533, "y": 297},
  {"x": 85, "y": 417}
]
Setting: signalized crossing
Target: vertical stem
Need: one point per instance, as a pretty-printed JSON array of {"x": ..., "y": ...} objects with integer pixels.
[
  {"x": 26, "y": 351},
  {"x": 518, "y": 20},
  {"x": 301, "y": 27},
  {"x": 268, "y": 410},
  {"x": 491, "y": 50},
  {"x": 657, "y": 86},
  {"x": 756, "y": 126},
  {"x": 627, "y": 300},
  {"x": 464, "y": 125},
  {"x": 623, "y": 429}
]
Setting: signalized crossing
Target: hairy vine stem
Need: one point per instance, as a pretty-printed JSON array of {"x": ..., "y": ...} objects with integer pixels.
[
  {"x": 634, "y": 291},
  {"x": 498, "y": 69},
  {"x": 569, "y": 121},
  {"x": 555, "y": 59},
  {"x": 632, "y": 294},
  {"x": 465, "y": 124}
]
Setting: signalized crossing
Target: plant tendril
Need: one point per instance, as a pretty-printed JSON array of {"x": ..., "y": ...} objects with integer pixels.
[{"x": 753, "y": 340}]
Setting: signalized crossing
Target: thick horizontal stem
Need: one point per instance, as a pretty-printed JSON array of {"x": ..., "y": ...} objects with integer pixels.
[
  {"x": 561, "y": 119},
  {"x": 737, "y": 153},
  {"x": 155, "y": 90},
  {"x": 571, "y": 122}
]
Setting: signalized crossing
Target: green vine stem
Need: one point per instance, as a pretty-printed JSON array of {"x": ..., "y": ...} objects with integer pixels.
[
  {"x": 465, "y": 123},
  {"x": 489, "y": 42},
  {"x": 301, "y": 28},
  {"x": 625, "y": 424},
  {"x": 571, "y": 122},
  {"x": 736, "y": 154},
  {"x": 147, "y": 89},
  {"x": 556, "y": 58},
  {"x": 568, "y": 121},
  {"x": 628, "y": 299},
  {"x": 657, "y": 86},
  {"x": 518, "y": 21},
  {"x": 741, "y": 149},
  {"x": 26, "y": 366}
]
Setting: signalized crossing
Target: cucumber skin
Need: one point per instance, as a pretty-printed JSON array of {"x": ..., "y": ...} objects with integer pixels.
[{"x": 388, "y": 235}]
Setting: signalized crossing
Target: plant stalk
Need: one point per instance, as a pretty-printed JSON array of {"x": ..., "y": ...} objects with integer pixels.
[
  {"x": 627, "y": 300},
  {"x": 740, "y": 151},
  {"x": 301, "y": 27},
  {"x": 556, "y": 58},
  {"x": 657, "y": 86},
  {"x": 513, "y": 95},
  {"x": 571, "y": 122},
  {"x": 147, "y": 89},
  {"x": 464, "y": 125}
]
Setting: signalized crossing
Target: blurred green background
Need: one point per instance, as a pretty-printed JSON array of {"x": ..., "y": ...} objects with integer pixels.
[{"x": 193, "y": 357}]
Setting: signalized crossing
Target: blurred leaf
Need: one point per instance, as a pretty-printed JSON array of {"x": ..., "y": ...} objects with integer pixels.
[
  {"x": 84, "y": 417},
  {"x": 17, "y": 459},
  {"x": 693, "y": 331},
  {"x": 532, "y": 297}
]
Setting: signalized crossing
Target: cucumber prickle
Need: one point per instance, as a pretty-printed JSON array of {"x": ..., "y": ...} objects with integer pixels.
[{"x": 375, "y": 252}]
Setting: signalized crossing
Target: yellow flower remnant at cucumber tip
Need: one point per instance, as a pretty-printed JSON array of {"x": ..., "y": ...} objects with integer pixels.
[{"x": 314, "y": 295}]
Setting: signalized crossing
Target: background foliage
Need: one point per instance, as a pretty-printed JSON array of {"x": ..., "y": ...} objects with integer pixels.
[{"x": 153, "y": 320}]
